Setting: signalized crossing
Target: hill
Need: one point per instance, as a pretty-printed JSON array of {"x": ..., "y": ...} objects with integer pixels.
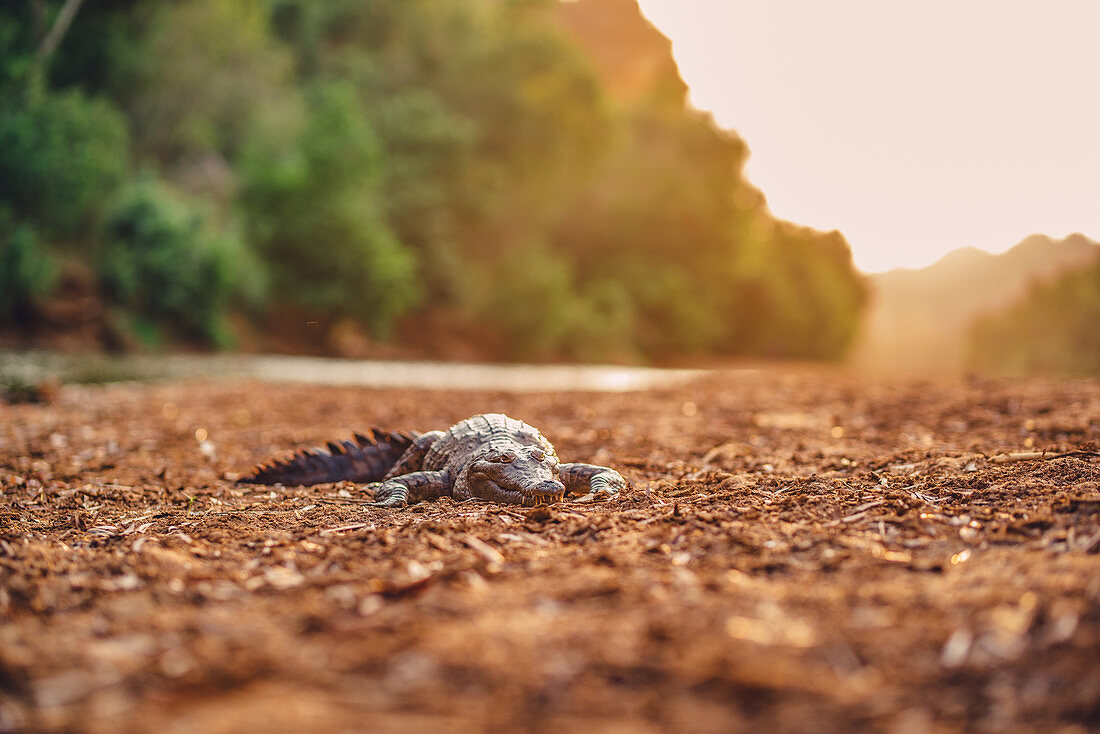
[{"x": 919, "y": 319}]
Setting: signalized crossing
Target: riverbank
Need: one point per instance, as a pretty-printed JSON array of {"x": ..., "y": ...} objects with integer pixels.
[{"x": 798, "y": 551}]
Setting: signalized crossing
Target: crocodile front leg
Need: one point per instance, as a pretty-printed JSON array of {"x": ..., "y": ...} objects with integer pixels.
[
  {"x": 585, "y": 478},
  {"x": 414, "y": 487}
]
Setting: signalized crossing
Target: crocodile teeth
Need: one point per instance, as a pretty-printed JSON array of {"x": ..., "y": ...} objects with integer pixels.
[{"x": 543, "y": 498}]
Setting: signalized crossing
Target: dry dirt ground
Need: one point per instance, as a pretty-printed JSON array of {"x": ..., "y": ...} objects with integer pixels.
[{"x": 799, "y": 551}]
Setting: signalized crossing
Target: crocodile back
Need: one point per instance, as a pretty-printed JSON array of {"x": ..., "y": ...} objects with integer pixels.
[{"x": 467, "y": 439}]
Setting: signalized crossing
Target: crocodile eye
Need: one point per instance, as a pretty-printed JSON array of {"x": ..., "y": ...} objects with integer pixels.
[
  {"x": 538, "y": 455},
  {"x": 507, "y": 457}
]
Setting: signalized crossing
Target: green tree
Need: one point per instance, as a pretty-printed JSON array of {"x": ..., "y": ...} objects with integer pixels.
[
  {"x": 1053, "y": 329},
  {"x": 62, "y": 156},
  {"x": 161, "y": 260},
  {"x": 459, "y": 156},
  {"x": 27, "y": 271},
  {"x": 312, "y": 206},
  {"x": 202, "y": 73}
]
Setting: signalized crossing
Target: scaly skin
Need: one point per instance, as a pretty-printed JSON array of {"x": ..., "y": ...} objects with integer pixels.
[{"x": 490, "y": 456}]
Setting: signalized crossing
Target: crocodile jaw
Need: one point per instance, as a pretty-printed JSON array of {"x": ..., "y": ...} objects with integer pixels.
[
  {"x": 515, "y": 487},
  {"x": 526, "y": 497}
]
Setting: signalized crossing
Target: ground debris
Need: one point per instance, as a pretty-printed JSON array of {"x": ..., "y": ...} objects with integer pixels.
[{"x": 800, "y": 551}]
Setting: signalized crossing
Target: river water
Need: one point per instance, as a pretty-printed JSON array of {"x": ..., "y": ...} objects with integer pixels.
[{"x": 33, "y": 367}]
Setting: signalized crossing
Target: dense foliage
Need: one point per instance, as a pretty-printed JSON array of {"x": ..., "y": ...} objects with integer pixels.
[
  {"x": 386, "y": 160},
  {"x": 26, "y": 272},
  {"x": 160, "y": 260},
  {"x": 1055, "y": 328}
]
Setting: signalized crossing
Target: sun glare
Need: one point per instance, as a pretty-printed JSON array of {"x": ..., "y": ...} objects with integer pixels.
[{"x": 914, "y": 129}]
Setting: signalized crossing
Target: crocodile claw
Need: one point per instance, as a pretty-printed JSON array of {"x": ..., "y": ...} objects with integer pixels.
[
  {"x": 393, "y": 501},
  {"x": 389, "y": 494},
  {"x": 606, "y": 484}
]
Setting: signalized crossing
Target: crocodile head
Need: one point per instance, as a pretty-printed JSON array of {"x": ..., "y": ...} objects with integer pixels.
[{"x": 526, "y": 475}]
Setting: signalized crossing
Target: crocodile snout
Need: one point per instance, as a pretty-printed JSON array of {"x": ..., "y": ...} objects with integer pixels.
[
  {"x": 545, "y": 492},
  {"x": 549, "y": 486}
]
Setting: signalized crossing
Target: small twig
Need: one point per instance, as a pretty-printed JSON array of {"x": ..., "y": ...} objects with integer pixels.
[
  {"x": 1039, "y": 456},
  {"x": 353, "y": 526},
  {"x": 255, "y": 513},
  {"x": 1089, "y": 454}
]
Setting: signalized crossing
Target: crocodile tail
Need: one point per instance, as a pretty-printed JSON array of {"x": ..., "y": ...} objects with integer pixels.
[{"x": 366, "y": 459}]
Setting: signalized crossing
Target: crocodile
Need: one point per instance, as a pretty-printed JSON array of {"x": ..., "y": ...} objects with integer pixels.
[{"x": 489, "y": 456}]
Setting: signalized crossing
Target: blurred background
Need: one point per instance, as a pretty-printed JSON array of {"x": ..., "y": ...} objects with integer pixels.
[{"x": 514, "y": 180}]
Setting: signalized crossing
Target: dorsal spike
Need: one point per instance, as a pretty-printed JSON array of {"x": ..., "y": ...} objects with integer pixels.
[{"x": 365, "y": 460}]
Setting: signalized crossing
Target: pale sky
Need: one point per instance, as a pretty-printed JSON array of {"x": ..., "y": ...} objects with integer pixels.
[{"x": 912, "y": 127}]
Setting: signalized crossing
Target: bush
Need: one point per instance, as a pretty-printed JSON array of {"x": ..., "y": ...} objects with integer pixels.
[
  {"x": 62, "y": 156},
  {"x": 313, "y": 207},
  {"x": 201, "y": 73},
  {"x": 160, "y": 260},
  {"x": 532, "y": 296},
  {"x": 26, "y": 271},
  {"x": 803, "y": 300},
  {"x": 1053, "y": 329}
]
